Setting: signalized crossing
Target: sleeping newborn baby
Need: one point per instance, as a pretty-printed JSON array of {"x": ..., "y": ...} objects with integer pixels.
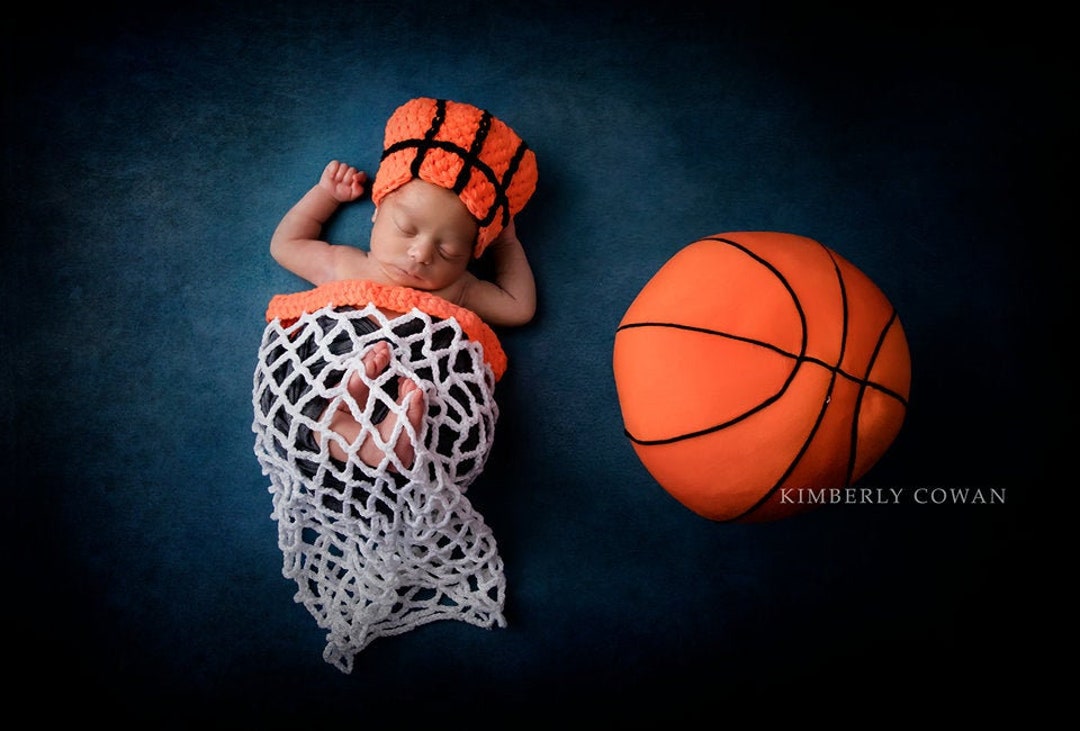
[{"x": 374, "y": 391}]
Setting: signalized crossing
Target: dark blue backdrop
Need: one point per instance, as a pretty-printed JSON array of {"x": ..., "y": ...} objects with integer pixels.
[{"x": 148, "y": 156}]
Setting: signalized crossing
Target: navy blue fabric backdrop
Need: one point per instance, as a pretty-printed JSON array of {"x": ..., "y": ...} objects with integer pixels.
[{"x": 148, "y": 157}]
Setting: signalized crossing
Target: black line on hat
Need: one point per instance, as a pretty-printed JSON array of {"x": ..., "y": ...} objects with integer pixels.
[
  {"x": 424, "y": 146},
  {"x": 436, "y": 124},
  {"x": 501, "y": 197},
  {"x": 470, "y": 159},
  {"x": 482, "y": 131}
]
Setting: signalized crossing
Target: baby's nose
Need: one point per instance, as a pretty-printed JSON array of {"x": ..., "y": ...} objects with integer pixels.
[{"x": 421, "y": 251}]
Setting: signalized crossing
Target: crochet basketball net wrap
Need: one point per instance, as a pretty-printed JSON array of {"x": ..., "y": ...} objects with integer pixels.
[{"x": 379, "y": 550}]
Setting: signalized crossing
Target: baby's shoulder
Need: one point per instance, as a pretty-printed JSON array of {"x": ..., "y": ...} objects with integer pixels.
[{"x": 352, "y": 263}]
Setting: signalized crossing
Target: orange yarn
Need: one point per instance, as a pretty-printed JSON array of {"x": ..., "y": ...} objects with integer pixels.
[
  {"x": 461, "y": 148},
  {"x": 357, "y": 293}
]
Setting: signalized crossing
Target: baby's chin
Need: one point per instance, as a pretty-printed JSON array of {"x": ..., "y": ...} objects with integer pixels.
[{"x": 399, "y": 277}]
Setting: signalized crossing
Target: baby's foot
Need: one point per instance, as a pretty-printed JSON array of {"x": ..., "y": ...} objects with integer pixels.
[
  {"x": 375, "y": 361},
  {"x": 404, "y": 448},
  {"x": 410, "y": 396},
  {"x": 408, "y": 391}
]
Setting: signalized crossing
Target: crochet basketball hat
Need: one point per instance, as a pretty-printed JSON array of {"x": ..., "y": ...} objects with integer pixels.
[{"x": 461, "y": 148}]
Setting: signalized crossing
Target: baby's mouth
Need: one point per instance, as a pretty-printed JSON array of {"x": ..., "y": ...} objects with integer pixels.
[{"x": 412, "y": 273}]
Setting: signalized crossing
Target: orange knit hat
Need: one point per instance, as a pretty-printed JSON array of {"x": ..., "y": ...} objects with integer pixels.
[{"x": 461, "y": 148}]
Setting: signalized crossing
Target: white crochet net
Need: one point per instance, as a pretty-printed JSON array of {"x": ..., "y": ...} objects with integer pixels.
[{"x": 378, "y": 550}]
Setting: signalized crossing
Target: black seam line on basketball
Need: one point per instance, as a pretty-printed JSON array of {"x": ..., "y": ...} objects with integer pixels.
[
  {"x": 834, "y": 370},
  {"x": 767, "y": 495},
  {"x": 783, "y": 280},
  {"x": 799, "y": 359},
  {"x": 863, "y": 384},
  {"x": 768, "y": 346},
  {"x": 859, "y": 397},
  {"x": 845, "y": 309},
  {"x": 708, "y": 331},
  {"x": 717, "y": 427},
  {"x": 425, "y": 146}
]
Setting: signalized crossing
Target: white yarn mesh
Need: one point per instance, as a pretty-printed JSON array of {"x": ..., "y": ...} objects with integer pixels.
[{"x": 376, "y": 552}]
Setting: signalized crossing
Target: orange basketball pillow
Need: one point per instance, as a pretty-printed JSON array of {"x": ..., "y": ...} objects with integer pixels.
[{"x": 759, "y": 372}]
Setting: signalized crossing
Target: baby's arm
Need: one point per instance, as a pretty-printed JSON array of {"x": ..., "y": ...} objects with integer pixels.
[
  {"x": 510, "y": 300},
  {"x": 296, "y": 244}
]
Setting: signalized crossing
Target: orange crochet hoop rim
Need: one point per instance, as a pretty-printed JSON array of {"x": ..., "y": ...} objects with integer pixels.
[{"x": 357, "y": 293}]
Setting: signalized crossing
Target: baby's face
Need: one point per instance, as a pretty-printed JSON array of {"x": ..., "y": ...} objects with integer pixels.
[{"x": 422, "y": 236}]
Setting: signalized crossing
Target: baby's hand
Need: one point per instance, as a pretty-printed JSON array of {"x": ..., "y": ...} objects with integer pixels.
[
  {"x": 506, "y": 238},
  {"x": 342, "y": 181}
]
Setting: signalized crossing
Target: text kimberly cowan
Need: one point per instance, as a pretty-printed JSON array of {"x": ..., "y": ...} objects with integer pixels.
[{"x": 893, "y": 496}]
